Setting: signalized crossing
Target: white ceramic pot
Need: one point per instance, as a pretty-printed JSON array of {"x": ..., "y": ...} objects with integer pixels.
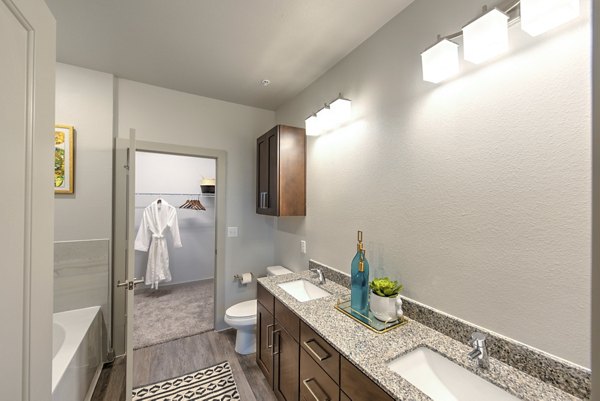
[{"x": 386, "y": 308}]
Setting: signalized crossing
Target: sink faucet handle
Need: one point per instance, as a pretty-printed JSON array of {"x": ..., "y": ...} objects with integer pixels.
[{"x": 478, "y": 338}]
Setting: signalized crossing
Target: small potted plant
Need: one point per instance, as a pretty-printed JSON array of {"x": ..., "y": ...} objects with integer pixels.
[{"x": 385, "y": 303}]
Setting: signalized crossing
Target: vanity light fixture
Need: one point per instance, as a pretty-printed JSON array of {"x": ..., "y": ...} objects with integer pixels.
[
  {"x": 341, "y": 111},
  {"x": 312, "y": 126},
  {"x": 440, "y": 61},
  {"x": 486, "y": 37},
  {"x": 539, "y": 16},
  {"x": 330, "y": 117},
  {"x": 324, "y": 117}
]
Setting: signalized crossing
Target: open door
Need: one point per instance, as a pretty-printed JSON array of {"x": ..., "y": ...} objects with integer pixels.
[{"x": 124, "y": 257}]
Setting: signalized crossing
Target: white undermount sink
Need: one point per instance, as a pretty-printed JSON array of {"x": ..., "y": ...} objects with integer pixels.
[
  {"x": 443, "y": 380},
  {"x": 303, "y": 290}
]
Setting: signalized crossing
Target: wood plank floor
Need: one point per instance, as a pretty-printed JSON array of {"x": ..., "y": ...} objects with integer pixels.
[{"x": 181, "y": 356}]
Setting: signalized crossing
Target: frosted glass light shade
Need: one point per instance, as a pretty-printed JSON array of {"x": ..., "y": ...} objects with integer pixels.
[
  {"x": 539, "y": 16},
  {"x": 324, "y": 118},
  {"x": 341, "y": 112},
  {"x": 440, "y": 61},
  {"x": 486, "y": 37},
  {"x": 312, "y": 126}
]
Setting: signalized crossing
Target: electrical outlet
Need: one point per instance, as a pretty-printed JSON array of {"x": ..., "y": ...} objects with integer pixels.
[
  {"x": 303, "y": 246},
  {"x": 232, "y": 231}
]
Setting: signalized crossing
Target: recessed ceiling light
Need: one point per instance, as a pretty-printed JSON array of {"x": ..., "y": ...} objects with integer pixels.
[{"x": 265, "y": 82}]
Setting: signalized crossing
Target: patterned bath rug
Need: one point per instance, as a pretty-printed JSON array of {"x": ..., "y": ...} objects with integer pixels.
[{"x": 214, "y": 383}]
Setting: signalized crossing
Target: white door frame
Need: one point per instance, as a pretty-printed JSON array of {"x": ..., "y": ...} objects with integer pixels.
[
  {"x": 220, "y": 157},
  {"x": 27, "y": 38}
]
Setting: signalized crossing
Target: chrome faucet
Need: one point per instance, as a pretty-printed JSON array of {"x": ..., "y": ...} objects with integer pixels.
[
  {"x": 319, "y": 272},
  {"x": 479, "y": 351}
]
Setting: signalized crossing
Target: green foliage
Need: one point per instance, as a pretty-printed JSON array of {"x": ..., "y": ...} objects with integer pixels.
[{"x": 384, "y": 287}]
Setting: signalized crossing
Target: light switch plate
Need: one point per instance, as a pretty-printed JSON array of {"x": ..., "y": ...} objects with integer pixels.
[
  {"x": 232, "y": 231},
  {"x": 303, "y": 246}
]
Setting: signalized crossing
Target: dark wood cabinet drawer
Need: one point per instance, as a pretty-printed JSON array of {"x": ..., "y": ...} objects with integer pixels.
[
  {"x": 358, "y": 386},
  {"x": 315, "y": 384},
  {"x": 287, "y": 319},
  {"x": 265, "y": 298},
  {"x": 320, "y": 351}
]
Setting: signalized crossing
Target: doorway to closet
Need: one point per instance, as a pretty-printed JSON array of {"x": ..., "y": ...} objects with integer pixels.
[{"x": 176, "y": 299}]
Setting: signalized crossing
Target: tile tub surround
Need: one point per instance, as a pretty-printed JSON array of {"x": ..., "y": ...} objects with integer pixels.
[
  {"x": 568, "y": 377},
  {"x": 370, "y": 352}
]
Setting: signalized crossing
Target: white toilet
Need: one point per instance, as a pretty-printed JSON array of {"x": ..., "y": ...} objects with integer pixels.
[{"x": 242, "y": 317}]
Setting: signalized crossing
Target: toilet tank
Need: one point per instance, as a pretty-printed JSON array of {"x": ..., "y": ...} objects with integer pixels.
[{"x": 277, "y": 271}]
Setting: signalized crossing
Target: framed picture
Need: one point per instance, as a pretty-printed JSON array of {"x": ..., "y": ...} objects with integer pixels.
[{"x": 63, "y": 159}]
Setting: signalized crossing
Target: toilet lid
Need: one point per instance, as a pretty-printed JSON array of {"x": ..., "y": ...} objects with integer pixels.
[
  {"x": 277, "y": 270},
  {"x": 243, "y": 309}
]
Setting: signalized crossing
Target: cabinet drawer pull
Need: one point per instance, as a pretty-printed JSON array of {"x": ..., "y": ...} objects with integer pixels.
[
  {"x": 269, "y": 345},
  {"x": 314, "y": 389},
  {"x": 320, "y": 353},
  {"x": 276, "y": 349}
]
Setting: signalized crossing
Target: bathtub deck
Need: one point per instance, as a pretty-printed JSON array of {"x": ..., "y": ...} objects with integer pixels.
[{"x": 182, "y": 356}]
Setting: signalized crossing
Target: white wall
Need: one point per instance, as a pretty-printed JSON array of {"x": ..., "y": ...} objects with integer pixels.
[
  {"x": 84, "y": 99},
  {"x": 167, "y": 116},
  {"x": 596, "y": 206},
  {"x": 474, "y": 193},
  {"x": 176, "y": 174}
]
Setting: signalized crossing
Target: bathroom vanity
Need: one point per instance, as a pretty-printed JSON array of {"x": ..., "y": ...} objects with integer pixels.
[
  {"x": 298, "y": 362},
  {"x": 309, "y": 351}
]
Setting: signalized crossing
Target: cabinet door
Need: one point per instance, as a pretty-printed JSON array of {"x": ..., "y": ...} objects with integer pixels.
[
  {"x": 357, "y": 386},
  {"x": 264, "y": 342},
  {"x": 267, "y": 173},
  {"x": 286, "y": 368}
]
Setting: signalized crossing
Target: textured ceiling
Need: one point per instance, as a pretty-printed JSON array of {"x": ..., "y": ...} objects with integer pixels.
[{"x": 221, "y": 49}]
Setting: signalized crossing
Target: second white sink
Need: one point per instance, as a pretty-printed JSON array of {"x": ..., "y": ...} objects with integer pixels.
[
  {"x": 303, "y": 290},
  {"x": 444, "y": 380}
]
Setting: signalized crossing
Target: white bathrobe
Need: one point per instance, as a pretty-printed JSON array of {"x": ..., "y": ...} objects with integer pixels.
[{"x": 157, "y": 218}]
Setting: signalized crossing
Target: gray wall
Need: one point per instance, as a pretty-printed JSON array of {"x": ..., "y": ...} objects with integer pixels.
[
  {"x": 474, "y": 193},
  {"x": 174, "y": 174},
  {"x": 84, "y": 99},
  {"x": 167, "y": 116}
]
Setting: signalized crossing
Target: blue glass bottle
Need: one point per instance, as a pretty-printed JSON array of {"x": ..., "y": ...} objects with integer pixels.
[{"x": 359, "y": 291}]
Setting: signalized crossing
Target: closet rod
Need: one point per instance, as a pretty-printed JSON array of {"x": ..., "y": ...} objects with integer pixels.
[{"x": 161, "y": 193}]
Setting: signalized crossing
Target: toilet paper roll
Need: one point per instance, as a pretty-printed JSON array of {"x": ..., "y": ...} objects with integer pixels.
[{"x": 246, "y": 278}]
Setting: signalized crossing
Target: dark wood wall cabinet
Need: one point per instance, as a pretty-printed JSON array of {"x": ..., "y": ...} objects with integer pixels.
[
  {"x": 299, "y": 364},
  {"x": 281, "y": 172}
]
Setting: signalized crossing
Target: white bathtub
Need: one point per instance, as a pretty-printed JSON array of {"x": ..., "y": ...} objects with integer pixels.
[{"x": 77, "y": 353}]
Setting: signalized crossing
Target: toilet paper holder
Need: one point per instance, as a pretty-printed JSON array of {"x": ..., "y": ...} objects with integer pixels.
[{"x": 240, "y": 278}]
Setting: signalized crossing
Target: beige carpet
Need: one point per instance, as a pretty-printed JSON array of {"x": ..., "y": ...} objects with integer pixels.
[{"x": 172, "y": 312}]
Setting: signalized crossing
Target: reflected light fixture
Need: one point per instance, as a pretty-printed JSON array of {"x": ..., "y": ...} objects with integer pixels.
[
  {"x": 539, "y": 16},
  {"x": 312, "y": 126},
  {"x": 486, "y": 37},
  {"x": 440, "y": 61}
]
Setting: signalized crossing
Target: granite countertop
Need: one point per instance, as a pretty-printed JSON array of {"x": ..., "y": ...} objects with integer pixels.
[{"x": 371, "y": 351}]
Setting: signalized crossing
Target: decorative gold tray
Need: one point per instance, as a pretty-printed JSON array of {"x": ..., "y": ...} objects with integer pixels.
[{"x": 369, "y": 321}]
